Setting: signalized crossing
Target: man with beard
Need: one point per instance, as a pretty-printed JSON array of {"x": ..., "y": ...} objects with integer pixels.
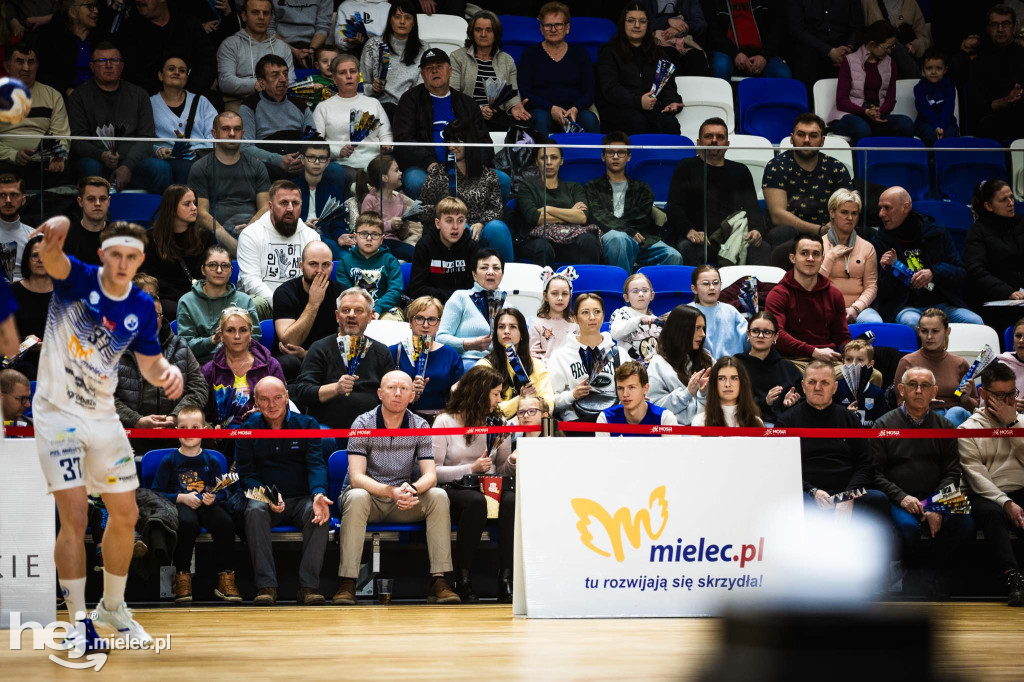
[
  {"x": 270, "y": 250},
  {"x": 798, "y": 183},
  {"x": 304, "y": 308},
  {"x": 14, "y": 234},
  {"x": 83, "y": 240},
  {"x": 332, "y": 387},
  {"x": 230, "y": 186}
]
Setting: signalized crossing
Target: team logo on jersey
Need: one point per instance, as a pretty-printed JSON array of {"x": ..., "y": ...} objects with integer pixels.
[
  {"x": 109, "y": 324},
  {"x": 94, "y": 297},
  {"x": 131, "y": 323},
  {"x": 78, "y": 351}
]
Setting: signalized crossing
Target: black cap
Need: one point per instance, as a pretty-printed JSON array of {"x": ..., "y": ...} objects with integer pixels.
[{"x": 434, "y": 55}]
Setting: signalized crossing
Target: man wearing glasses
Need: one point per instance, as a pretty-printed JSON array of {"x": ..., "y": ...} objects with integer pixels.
[
  {"x": 108, "y": 101},
  {"x": 15, "y": 398},
  {"x": 996, "y": 76},
  {"x": 317, "y": 189},
  {"x": 994, "y": 471},
  {"x": 909, "y": 470},
  {"x": 621, "y": 207}
]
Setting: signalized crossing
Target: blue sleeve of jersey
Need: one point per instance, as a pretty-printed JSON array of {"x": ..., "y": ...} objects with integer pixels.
[
  {"x": 7, "y": 304},
  {"x": 146, "y": 341},
  {"x": 80, "y": 281}
]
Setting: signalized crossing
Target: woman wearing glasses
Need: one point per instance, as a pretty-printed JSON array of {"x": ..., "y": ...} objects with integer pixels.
[
  {"x": 199, "y": 310},
  {"x": 174, "y": 254},
  {"x": 69, "y": 39},
  {"x": 625, "y": 73},
  {"x": 557, "y": 78},
  {"x": 443, "y": 365},
  {"x": 773, "y": 379}
]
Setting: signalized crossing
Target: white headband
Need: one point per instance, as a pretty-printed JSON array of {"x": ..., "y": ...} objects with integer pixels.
[{"x": 123, "y": 240}]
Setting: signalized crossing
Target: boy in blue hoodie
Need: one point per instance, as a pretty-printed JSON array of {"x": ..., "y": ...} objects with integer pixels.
[
  {"x": 872, "y": 403},
  {"x": 370, "y": 265},
  {"x": 935, "y": 96}
]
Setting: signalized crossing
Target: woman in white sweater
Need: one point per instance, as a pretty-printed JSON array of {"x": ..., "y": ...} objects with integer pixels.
[
  {"x": 333, "y": 119},
  {"x": 731, "y": 398},
  {"x": 401, "y": 42},
  {"x": 474, "y": 400},
  {"x": 576, "y": 397},
  {"x": 681, "y": 369}
]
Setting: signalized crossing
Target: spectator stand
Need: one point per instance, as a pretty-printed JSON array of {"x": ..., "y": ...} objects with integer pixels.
[
  {"x": 522, "y": 283},
  {"x": 967, "y": 340},
  {"x": 517, "y": 33},
  {"x": 908, "y": 169},
  {"x": 654, "y": 158},
  {"x": 134, "y": 207},
  {"x": 898, "y": 336},
  {"x": 267, "y": 336},
  {"x": 591, "y": 33},
  {"x": 730, "y": 274},
  {"x": 606, "y": 281},
  {"x": 906, "y": 105},
  {"x": 957, "y": 172},
  {"x": 580, "y": 163},
  {"x": 769, "y": 106},
  {"x": 151, "y": 462},
  {"x": 952, "y": 215},
  {"x": 388, "y": 332}
]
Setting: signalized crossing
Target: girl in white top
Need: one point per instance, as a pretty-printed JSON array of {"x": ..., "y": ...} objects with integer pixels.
[
  {"x": 727, "y": 329},
  {"x": 332, "y": 118},
  {"x": 680, "y": 371},
  {"x": 731, "y": 399},
  {"x": 554, "y": 322},
  {"x": 634, "y": 325}
]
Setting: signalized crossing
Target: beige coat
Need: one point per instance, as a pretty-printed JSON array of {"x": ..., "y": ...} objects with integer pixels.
[
  {"x": 911, "y": 14},
  {"x": 464, "y": 72},
  {"x": 860, "y": 285}
]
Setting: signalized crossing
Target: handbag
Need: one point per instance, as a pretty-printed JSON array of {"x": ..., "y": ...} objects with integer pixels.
[{"x": 562, "y": 233}]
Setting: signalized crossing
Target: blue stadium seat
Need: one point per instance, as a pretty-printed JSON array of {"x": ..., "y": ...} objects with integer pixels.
[
  {"x": 906, "y": 169},
  {"x": 1008, "y": 340},
  {"x": 655, "y": 166},
  {"x": 604, "y": 280},
  {"x": 174, "y": 326},
  {"x": 135, "y": 207},
  {"x": 334, "y": 267},
  {"x": 671, "y": 285},
  {"x": 302, "y": 74},
  {"x": 952, "y": 215},
  {"x": 898, "y": 336},
  {"x": 267, "y": 335},
  {"x": 958, "y": 172},
  {"x": 590, "y": 32},
  {"x": 517, "y": 33},
  {"x": 580, "y": 165},
  {"x": 234, "y": 273},
  {"x": 407, "y": 270},
  {"x": 337, "y": 468},
  {"x": 32, "y": 393},
  {"x": 768, "y": 106},
  {"x": 151, "y": 462}
]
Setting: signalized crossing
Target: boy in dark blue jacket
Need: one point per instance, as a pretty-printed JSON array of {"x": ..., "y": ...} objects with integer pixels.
[
  {"x": 186, "y": 477},
  {"x": 867, "y": 400},
  {"x": 935, "y": 96}
]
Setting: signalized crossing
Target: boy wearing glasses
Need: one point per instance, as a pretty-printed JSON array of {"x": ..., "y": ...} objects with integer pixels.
[
  {"x": 621, "y": 207},
  {"x": 994, "y": 471},
  {"x": 371, "y": 266}
]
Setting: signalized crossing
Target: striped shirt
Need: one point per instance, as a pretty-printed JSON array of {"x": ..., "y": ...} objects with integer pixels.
[
  {"x": 484, "y": 70},
  {"x": 390, "y": 460}
]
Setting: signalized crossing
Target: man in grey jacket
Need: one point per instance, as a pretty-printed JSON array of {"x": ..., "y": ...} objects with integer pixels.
[
  {"x": 271, "y": 114},
  {"x": 238, "y": 55},
  {"x": 304, "y": 25}
]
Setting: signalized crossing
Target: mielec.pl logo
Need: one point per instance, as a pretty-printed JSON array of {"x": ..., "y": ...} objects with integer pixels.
[
  {"x": 621, "y": 523},
  {"x": 52, "y": 636}
]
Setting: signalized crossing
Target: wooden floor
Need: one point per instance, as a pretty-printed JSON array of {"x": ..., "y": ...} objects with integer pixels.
[{"x": 976, "y": 641}]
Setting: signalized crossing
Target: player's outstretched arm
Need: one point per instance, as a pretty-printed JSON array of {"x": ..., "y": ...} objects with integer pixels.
[
  {"x": 54, "y": 231},
  {"x": 157, "y": 371}
]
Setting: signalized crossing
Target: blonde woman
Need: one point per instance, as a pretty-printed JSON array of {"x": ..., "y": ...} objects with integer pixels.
[{"x": 851, "y": 263}]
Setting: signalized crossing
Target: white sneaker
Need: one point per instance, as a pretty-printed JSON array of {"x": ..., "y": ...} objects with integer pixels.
[
  {"x": 83, "y": 640},
  {"x": 121, "y": 621}
]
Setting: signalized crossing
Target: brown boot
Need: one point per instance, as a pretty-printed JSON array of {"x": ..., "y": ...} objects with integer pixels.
[
  {"x": 308, "y": 596},
  {"x": 346, "y": 594},
  {"x": 226, "y": 589},
  {"x": 267, "y": 596},
  {"x": 441, "y": 593},
  {"x": 182, "y": 587}
]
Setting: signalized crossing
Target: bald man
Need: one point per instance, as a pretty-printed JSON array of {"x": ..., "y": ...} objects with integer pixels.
[
  {"x": 918, "y": 242},
  {"x": 379, "y": 488},
  {"x": 304, "y": 308},
  {"x": 298, "y": 469}
]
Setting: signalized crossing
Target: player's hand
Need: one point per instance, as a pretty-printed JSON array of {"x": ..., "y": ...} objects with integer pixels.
[
  {"x": 346, "y": 240},
  {"x": 23, "y": 157},
  {"x": 773, "y": 395},
  {"x": 419, "y": 384},
  {"x": 172, "y": 382},
  {"x": 318, "y": 289},
  {"x": 155, "y": 421},
  {"x": 54, "y": 231},
  {"x": 921, "y": 278},
  {"x": 888, "y": 258},
  {"x": 1014, "y": 514},
  {"x": 826, "y": 355},
  {"x": 695, "y": 237},
  {"x": 321, "y": 513},
  {"x": 346, "y": 151},
  {"x": 479, "y": 343},
  {"x": 844, "y": 509}
]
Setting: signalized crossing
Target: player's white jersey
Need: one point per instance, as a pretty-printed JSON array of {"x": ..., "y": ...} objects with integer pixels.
[{"x": 86, "y": 333}]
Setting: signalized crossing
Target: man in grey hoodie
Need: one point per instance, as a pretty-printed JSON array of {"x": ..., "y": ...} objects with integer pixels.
[
  {"x": 237, "y": 56},
  {"x": 304, "y": 25}
]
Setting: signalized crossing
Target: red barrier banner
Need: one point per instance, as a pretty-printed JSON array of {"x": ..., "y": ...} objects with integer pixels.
[{"x": 29, "y": 432}]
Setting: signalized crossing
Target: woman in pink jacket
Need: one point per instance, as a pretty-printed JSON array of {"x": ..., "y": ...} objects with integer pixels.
[{"x": 850, "y": 261}]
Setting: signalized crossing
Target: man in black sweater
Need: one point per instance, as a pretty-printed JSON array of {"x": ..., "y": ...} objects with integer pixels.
[
  {"x": 832, "y": 465},
  {"x": 727, "y": 188},
  {"x": 909, "y": 470},
  {"x": 326, "y": 388},
  {"x": 440, "y": 264},
  {"x": 997, "y": 74},
  {"x": 822, "y": 33}
]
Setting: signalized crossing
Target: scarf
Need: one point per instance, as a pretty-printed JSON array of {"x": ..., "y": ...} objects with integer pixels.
[{"x": 833, "y": 238}]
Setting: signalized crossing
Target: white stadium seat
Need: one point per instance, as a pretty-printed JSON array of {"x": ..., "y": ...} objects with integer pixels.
[
  {"x": 1017, "y": 169},
  {"x": 445, "y": 31},
  {"x": 704, "y": 98},
  {"x": 388, "y": 332},
  {"x": 754, "y": 159},
  {"x": 967, "y": 340},
  {"x": 840, "y": 149},
  {"x": 521, "y": 282},
  {"x": 764, "y": 273}
]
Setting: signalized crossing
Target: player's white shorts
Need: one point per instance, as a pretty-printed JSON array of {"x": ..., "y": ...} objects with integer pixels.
[{"x": 75, "y": 451}]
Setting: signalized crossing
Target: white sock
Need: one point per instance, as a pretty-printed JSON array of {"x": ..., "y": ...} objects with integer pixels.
[
  {"x": 74, "y": 597},
  {"x": 113, "y": 590}
]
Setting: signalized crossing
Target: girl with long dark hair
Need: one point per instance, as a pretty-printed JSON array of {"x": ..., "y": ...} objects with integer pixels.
[
  {"x": 510, "y": 328},
  {"x": 730, "y": 400},
  {"x": 680, "y": 371},
  {"x": 401, "y": 40},
  {"x": 774, "y": 380}
]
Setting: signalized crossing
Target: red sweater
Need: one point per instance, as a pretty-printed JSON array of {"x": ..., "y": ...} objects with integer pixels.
[{"x": 808, "y": 319}]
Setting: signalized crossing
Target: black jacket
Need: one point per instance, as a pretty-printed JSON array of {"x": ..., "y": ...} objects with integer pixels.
[
  {"x": 831, "y": 464},
  {"x": 994, "y": 256},
  {"x": 728, "y": 189},
  {"x": 636, "y": 215},
  {"x": 769, "y": 15},
  {"x": 414, "y": 122},
  {"x": 765, "y": 375},
  {"x": 993, "y": 74},
  {"x": 824, "y": 24},
  {"x": 57, "y": 62},
  {"x": 438, "y": 270},
  {"x": 913, "y": 466},
  {"x": 143, "y": 45},
  {"x": 620, "y": 84},
  {"x": 936, "y": 252},
  {"x": 323, "y": 365}
]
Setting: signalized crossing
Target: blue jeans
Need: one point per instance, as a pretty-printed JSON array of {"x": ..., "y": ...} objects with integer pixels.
[
  {"x": 911, "y": 316},
  {"x": 957, "y": 415},
  {"x": 151, "y": 174},
  {"x": 180, "y": 169},
  {"x": 956, "y": 530},
  {"x": 497, "y": 236},
  {"x": 506, "y": 186},
  {"x": 543, "y": 123},
  {"x": 622, "y": 250},
  {"x": 722, "y": 66},
  {"x": 855, "y": 126},
  {"x": 869, "y": 316},
  {"x": 926, "y": 131}
]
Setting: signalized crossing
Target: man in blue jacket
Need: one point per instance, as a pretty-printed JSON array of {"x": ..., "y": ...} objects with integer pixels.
[{"x": 297, "y": 469}]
